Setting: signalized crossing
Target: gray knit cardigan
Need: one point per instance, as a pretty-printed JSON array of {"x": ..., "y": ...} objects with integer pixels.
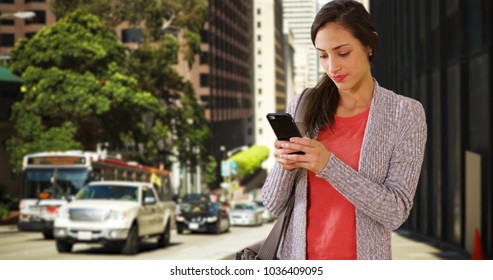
[{"x": 383, "y": 188}]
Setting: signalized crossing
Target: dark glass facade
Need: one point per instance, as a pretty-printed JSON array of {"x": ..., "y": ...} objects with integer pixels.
[
  {"x": 439, "y": 52},
  {"x": 229, "y": 79}
]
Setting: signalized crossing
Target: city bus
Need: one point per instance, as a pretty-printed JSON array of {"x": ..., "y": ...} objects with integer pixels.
[{"x": 52, "y": 179}]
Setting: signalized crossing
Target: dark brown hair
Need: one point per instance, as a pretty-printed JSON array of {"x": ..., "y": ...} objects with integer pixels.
[{"x": 322, "y": 102}]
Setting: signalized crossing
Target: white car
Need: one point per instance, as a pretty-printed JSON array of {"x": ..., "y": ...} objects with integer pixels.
[
  {"x": 246, "y": 214},
  {"x": 114, "y": 213},
  {"x": 267, "y": 216}
]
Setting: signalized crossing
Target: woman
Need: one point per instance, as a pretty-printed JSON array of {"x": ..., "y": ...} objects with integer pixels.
[{"x": 363, "y": 146}]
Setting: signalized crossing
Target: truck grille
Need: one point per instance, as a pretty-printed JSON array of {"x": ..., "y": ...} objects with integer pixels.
[{"x": 89, "y": 215}]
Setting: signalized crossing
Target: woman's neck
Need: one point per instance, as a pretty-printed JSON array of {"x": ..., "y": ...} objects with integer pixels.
[{"x": 357, "y": 99}]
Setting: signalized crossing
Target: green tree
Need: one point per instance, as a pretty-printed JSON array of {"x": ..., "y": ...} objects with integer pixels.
[
  {"x": 76, "y": 94},
  {"x": 100, "y": 8},
  {"x": 250, "y": 159},
  {"x": 169, "y": 27}
]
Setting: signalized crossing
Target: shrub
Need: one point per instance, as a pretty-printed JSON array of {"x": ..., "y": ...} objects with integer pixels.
[{"x": 250, "y": 160}]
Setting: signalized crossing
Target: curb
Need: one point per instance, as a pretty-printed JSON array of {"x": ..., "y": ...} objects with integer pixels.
[{"x": 8, "y": 229}]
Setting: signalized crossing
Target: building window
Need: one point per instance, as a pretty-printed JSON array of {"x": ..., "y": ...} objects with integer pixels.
[
  {"x": 204, "y": 58},
  {"x": 260, "y": 131},
  {"x": 7, "y": 40},
  {"x": 29, "y": 35},
  {"x": 260, "y": 91},
  {"x": 259, "y": 24},
  {"x": 258, "y": 11},
  {"x": 7, "y": 22},
  {"x": 131, "y": 35},
  {"x": 259, "y": 37},
  {"x": 39, "y": 18},
  {"x": 204, "y": 36},
  {"x": 204, "y": 80}
]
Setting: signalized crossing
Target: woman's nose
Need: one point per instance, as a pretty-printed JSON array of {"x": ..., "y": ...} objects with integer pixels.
[{"x": 332, "y": 65}]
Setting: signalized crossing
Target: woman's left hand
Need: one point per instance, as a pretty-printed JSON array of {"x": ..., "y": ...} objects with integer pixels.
[{"x": 315, "y": 158}]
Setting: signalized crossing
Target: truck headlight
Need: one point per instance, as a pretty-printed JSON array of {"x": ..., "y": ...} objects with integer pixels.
[
  {"x": 179, "y": 218},
  {"x": 63, "y": 213},
  {"x": 211, "y": 219},
  {"x": 117, "y": 215}
]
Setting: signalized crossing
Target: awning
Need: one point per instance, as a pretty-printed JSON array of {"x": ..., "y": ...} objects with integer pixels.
[{"x": 8, "y": 77}]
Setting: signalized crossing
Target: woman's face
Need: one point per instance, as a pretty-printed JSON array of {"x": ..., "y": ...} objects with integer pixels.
[{"x": 342, "y": 56}]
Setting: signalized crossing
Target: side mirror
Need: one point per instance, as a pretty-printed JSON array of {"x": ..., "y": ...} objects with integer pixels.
[
  {"x": 149, "y": 200},
  {"x": 70, "y": 198}
]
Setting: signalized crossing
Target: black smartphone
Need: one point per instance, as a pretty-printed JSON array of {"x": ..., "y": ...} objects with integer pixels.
[{"x": 284, "y": 126}]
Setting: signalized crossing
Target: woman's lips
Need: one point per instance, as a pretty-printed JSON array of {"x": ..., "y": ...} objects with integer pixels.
[{"x": 339, "y": 78}]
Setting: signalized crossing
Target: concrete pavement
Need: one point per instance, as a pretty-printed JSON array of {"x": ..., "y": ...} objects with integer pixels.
[{"x": 409, "y": 246}]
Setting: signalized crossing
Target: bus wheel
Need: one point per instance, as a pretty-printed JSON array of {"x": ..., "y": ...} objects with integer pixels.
[
  {"x": 63, "y": 246},
  {"x": 131, "y": 245},
  {"x": 163, "y": 239}
]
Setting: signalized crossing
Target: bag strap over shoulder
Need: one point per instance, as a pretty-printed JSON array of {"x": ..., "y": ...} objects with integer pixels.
[{"x": 270, "y": 246}]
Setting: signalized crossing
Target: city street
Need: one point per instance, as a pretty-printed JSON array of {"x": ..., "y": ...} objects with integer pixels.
[{"x": 195, "y": 246}]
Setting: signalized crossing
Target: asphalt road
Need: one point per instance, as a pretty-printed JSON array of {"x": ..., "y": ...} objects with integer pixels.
[{"x": 189, "y": 246}]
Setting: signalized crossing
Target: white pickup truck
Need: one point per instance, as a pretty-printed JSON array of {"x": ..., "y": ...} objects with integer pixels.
[{"x": 115, "y": 213}]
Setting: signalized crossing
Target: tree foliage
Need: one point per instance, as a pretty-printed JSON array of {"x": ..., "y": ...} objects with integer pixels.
[
  {"x": 84, "y": 87},
  {"x": 250, "y": 159},
  {"x": 75, "y": 92}
]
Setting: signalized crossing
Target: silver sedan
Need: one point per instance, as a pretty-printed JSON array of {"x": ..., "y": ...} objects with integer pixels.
[{"x": 246, "y": 214}]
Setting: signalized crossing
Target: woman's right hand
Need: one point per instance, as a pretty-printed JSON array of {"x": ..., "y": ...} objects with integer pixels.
[{"x": 286, "y": 164}]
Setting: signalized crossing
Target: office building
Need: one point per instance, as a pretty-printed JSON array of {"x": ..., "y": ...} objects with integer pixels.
[
  {"x": 269, "y": 68},
  {"x": 440, "y": 53},
  {"x": 299, "y": 17}
]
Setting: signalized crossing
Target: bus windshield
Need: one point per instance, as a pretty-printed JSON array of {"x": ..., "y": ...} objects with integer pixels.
[{"x": 55, "y": 183}]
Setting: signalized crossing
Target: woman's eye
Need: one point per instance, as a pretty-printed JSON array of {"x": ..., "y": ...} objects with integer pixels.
[
  {"x": 344, "y": 54},
  {"x": 322, "y": 55}
]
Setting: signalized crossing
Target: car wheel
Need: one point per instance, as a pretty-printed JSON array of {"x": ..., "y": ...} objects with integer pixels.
[
  {"x": 63, "y": 246},
  {"x": 228, "y": 226},
  {"x": 217, "y": 228},
  {"x": 48, "y": 234},
  {"x": 163, "y": 240},
  {"x": 131, "y": 245}
]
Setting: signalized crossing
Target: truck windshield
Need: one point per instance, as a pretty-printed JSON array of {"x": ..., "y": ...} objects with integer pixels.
[
  {"x": 126, "y": 193},
  {"x": 53, "y": 183}
]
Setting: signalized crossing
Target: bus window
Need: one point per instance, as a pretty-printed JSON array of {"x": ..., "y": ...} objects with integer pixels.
[
  {"x": 53, "y": 183},
  {"x": 36, "y": 181}
]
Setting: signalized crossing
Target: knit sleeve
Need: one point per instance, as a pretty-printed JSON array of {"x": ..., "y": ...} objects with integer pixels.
[{"x": 389, "y": 202}]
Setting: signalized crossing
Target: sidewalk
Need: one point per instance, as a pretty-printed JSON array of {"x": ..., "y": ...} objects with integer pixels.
[
  {"x": 409, "y": 246},
  {"x": 405, "y": 246}
]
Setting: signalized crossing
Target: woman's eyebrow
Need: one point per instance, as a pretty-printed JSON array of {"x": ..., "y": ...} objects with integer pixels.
[{"x": 334, "y": 48}]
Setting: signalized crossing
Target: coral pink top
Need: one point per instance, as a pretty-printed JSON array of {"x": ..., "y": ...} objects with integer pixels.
[{"x": 331, "y": 218}]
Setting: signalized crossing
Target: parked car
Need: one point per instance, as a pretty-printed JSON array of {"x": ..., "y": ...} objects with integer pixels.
[
  {"x": 267, "y": 216},
  {"x": 201, "y": 216},
  {"x": 116, "y": 213},
  {"x": 246, "y": 214}
]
